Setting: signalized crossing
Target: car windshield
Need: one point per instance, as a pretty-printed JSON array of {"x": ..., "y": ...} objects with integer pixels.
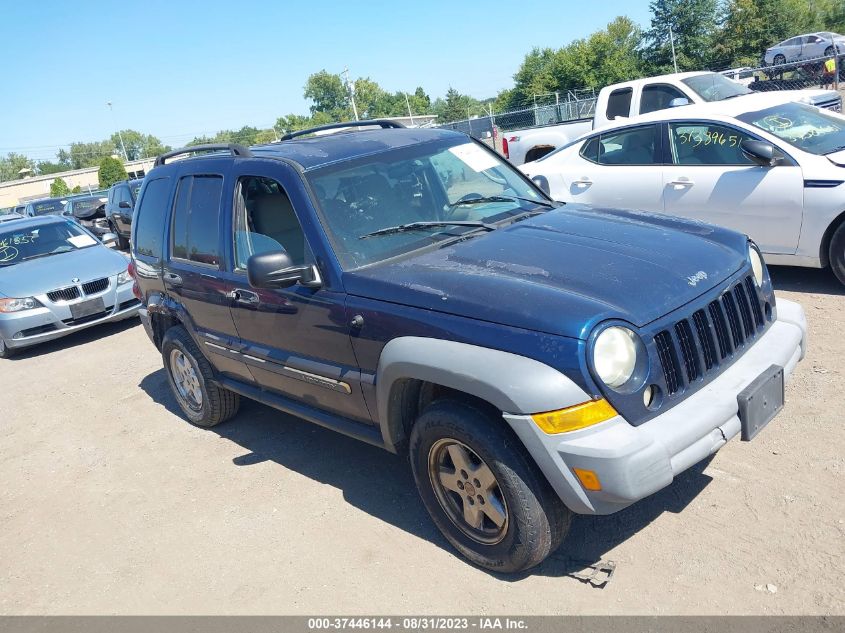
[
  {"x": 54, "y": 206},
  {"x": 806, "y": 127},
  {"x": 715, "y": 87},
  {"x": 135, "y": 186},
  {"x": 445, "y": 189},
  {"x": 84, "y": 206},
  {"x": 23, "y": 241}
]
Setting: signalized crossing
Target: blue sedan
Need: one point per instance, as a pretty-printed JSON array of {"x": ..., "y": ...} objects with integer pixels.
[{"x": 56, "y": 278}]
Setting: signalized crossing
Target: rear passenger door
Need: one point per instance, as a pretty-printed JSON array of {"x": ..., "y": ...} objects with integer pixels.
[
  {"x": 295, "y": 340},
  {"x": 192, "y": 274},
  {"x": 620, "y": 168}
]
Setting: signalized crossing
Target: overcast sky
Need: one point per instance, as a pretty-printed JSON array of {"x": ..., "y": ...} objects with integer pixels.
[{"x": 179, "y": 69}]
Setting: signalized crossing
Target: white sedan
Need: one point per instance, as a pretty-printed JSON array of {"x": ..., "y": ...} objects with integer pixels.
[{"x": 774, "y": 172}]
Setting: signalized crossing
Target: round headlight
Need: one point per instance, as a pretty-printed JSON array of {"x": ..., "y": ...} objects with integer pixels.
[
  {"x": 756, "y": 264},
  {"x": 615, "y": 355}
]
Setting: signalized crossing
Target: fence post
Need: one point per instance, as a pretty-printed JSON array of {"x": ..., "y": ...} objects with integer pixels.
[{"x": 835, "y": 68}]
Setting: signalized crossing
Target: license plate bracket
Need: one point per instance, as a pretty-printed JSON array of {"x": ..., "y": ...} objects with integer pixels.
[
  {"x": 87, "y": 308},
  {"x": 760, "y": 402}
]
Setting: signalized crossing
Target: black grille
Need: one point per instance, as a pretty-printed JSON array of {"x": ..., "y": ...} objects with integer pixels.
[
  {"x": 86, "y": 319},
  {"x": 93, "y": 287},
  {"x": 663, "y": 341},
  {"x": 701, "y": 342},
  {"x": 690, "y": 356},
  {"x": 64, "y": 294}
]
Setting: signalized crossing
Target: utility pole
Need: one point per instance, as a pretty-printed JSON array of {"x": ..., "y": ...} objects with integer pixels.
[
  {"x": 351, "y": 87},
  {"x": 119, "y": 135},
  {"x": 410, "y": 114},
  {"x": 672, "y": 42}
]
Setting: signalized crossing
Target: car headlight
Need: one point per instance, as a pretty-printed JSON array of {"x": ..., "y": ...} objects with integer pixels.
[
  {"x": 124, "y": 278},
  {"x": 17, "y": 305},
  {"x": 756, "y": 264},
  {"x": 615, "y": 355}
]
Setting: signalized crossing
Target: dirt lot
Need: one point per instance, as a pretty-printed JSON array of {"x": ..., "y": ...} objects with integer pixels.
[{"x": 112, "y": 503}]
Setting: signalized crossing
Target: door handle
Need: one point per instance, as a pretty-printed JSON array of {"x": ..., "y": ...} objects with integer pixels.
[
  {"x": 243, "y": 296},
  {"x": 173, "y": 279},
  {"x": 582, "y": 182},
  {"x": 681, "y": 182}
]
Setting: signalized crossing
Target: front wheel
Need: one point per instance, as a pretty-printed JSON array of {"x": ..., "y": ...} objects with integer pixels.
[
  {"x": 837, "y": 253},
  {"x": 191, "y": 380},
  {"x": 482, "y": 490}
]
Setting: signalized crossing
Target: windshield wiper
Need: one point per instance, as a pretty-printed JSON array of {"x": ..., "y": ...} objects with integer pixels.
[
  {"x": 485, "y": 199},
  {"x": 415, "y": 226}
]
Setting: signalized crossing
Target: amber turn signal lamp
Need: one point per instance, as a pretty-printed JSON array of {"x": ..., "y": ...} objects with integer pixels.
[{"x": 576, "y": 417}]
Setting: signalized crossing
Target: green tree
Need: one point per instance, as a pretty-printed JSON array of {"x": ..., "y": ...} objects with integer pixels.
[
  {"x": 456, "y": 107},
  {"x": 12, "y": 164},
  {"x": 45, "y": 167},
  {"x": 329, "y": 95},
  {"x": 76, "y": 189},
  {"x": 90, "y": 154},
  {"x": 111, "y": 171},
  {"x": 693, "y": 24},
  {"x": 59, "y": 188},
  {"x": 138, "y": 145}
]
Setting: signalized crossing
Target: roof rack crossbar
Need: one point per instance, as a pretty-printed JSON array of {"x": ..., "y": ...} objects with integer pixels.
[
  {"x": 383, "y": 123},
  {"x": 234, "y": 148}
]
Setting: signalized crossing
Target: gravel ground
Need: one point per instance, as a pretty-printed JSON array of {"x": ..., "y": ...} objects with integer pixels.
[{"x": 112, "y": 503}]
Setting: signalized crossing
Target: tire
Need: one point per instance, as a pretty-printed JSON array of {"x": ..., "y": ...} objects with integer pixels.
[
  {"x": 828, "y": 52},
  {"x": 778, "y": 60},
  {"x": 531, "y": 520},
  {"x": 191, "y": 381},
  {"x": 836, "y": 253}
]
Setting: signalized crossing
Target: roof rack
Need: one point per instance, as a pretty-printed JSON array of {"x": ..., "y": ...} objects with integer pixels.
[
  {"x": 233, "y": 148},
  {"x": 383, "y": 123}
]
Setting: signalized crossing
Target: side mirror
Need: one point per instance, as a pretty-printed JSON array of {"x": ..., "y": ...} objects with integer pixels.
[
  {"x": 123, "y": 204},
  {"x": 678, "y": 101},
  {"x": 543, "y": 183},
  {"x": 276, "y": 270},
  {"x": 109, "y": 240},
  {"x": 761, "y": 152}
]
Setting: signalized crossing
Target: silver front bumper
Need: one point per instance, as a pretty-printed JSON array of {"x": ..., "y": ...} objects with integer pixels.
[
  {"x": 633, "y": 462},
  {"x": 54, "y": 319}
]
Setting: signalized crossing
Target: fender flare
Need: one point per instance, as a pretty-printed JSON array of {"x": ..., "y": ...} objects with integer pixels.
[{"x": 513, "y": 384}]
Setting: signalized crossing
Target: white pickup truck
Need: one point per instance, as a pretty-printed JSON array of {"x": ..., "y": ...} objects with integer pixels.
[{"x": 632, "y": 98}]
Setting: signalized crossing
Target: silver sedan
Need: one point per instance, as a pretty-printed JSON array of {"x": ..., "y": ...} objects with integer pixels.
[
  {"x": 56, "y": 278},
  {"x": 803, "y": 47}
]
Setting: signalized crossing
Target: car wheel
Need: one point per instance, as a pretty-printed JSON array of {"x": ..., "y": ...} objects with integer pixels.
[
  {"x": 837, "y": 253},
  {"x": 482, "y": 490},
  {"x": 828, "y": 52},
  {"x": 5, "y": 351},
  {"x": 778, "y": 60},
  {"x": 191, "y": 380}
]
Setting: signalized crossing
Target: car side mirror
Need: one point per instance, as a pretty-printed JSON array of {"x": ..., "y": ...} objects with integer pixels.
[
  {"x": 123, "y": 204},
  {"x": 109, "y": 240},
  {"x": 276, "y": 270},
  {"x": 761, "y": 152},
  {"x": 543, "y": 183},
  {"x": 678, "y": 101}
]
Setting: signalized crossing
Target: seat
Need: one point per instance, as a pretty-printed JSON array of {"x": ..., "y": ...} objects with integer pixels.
[
  {"x": 638, "y": 148},
  {"x": 273, "y": 216}
]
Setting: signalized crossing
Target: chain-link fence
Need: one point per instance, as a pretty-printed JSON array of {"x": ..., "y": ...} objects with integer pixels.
[{"x": 817, "y": 72}]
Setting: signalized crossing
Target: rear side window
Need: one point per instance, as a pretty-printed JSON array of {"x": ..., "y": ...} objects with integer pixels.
[
  {"x": 631, "y": 146},
  {"x": 619, "y": 103},
  {"x": 195, "y": 234},
  {"x": 151, "y": 218}
]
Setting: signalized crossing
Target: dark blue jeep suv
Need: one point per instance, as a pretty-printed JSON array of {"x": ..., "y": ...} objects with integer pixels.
[{"x": 412, "y": 289}]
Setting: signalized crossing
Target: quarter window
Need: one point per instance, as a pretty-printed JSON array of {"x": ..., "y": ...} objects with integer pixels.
[
  {"x": 590, "y": 150},
  {"x": 632, "y": 146},
  {"x": 151, "y": 218},
  {"x": 619, "y": 103},
  {"x": 706, "y": 144},
  {"x": 195, "y": 229}
]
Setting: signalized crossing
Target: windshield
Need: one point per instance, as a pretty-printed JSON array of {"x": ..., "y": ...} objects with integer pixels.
[
  {"x": 84, "y": 206},
  {"x": 135, "y": 186},
  {"x": 440, "y": 182},
  {"x": 715, "y": 87},
  {"x": 804, "y": 126},
  {"x": 20, "y": 243},
  {"x": 49, "y": 207}
]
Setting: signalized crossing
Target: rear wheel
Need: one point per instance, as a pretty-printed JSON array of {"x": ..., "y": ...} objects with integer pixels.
[
  {"x": 837, "y": 253},
  {"x": 482, "y": 489},
  {"x": 191, "y": 380},
  {"x": 828, "y": 52}
]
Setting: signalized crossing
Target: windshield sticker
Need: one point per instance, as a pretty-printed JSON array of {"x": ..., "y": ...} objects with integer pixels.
[
  {"x": 80, "y": 241},
  {"x": 474, "y": 157}
]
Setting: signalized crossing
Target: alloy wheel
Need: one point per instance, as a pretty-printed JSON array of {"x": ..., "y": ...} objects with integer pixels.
[{"x": 185, "y": 378}]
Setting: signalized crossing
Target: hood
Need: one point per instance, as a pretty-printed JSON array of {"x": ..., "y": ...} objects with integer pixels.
[
  {"x": 564, "y": 271},
  {"x": 837, "y": 158},
  {"x": 38, "y": 276}
]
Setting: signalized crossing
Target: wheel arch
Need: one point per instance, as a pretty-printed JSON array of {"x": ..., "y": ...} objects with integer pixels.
[{"x": 414, "y": 371}]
